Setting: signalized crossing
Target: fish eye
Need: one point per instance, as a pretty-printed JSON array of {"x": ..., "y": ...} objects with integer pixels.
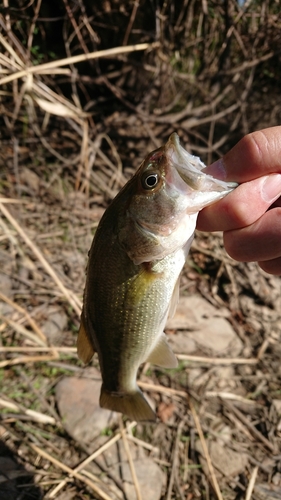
[{"x": 150, "y": 180}]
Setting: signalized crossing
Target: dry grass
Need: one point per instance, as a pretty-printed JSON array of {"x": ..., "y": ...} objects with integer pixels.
[{"x": 73, "y": 129}]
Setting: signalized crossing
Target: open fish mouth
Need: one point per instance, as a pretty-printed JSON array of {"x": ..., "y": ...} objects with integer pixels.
[{"x": 190, "y": 167}]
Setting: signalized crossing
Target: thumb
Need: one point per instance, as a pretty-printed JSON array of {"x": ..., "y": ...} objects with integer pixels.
[{"x": 256, "y": 155}]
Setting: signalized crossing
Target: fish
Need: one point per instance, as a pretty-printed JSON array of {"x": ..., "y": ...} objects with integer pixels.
[{"x": 132, "y": 278}]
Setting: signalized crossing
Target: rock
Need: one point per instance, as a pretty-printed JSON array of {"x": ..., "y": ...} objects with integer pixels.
[
  {"x": 276, "y": 479},
  {"x": 211, "y": 332},
  {"x": 54, "y": 326},
  {"x": 192, "y": 312},
  {"x": 225, "y": 460},
  {"x": 197, "y": 377},
  {"x": 6, "y": 284},
  {"x": 267, "y": 491},
  {"x": 29, "y": 178},
  {"x": 218, "y": 337},
  {"x": 6, "y": 309},
  {"x": 182, "y": 343},
  {"x": 276, "y": 403},
  {"x": 66, "y": 495},
  {"x": 225, "y": 378},
  {"x": 78, "y": 404},
  {"x": 150, "y": 477}
]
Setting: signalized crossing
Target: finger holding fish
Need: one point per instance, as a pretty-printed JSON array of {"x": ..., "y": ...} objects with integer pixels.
[
  {"x": 255, "y": 155},
  {"x": 250, "y": 215}
]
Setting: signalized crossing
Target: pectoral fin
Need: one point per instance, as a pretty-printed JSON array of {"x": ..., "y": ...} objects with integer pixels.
[
  {"x": 162, "y": 354},
  {"x": 85, "y": 349}
]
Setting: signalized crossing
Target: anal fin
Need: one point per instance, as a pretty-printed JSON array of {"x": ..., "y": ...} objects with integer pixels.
[
  {"x": 85, "y": 349},
  {"x": 162, "y": 354}
]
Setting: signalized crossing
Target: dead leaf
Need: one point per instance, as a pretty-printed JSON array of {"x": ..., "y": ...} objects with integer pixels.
[{"x": 165, "y": 411}]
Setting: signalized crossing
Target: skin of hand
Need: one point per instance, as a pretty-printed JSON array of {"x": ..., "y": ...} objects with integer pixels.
[{"x": 250, "y": 216}]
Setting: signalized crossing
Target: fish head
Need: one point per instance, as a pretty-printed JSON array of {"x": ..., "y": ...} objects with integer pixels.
[
  {"x": 170, "y": 184},
  {"x": 163, "y": 201}
]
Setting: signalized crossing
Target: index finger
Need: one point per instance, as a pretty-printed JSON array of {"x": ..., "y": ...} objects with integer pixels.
[{"x": 257, "y": 154}]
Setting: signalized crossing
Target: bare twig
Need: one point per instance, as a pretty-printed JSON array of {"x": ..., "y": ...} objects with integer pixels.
[
  {"x": 91, "y": 458},
  {"x": 131, "y": 22},
  {"x": 22, "y": 330},
  {"x": 175, "y": 460},
  {"x": 20, "y": 360},
  {"x": 130, "y": 460},
  {"x": 257, "y": 434},
  {"x": 160, "y": 388},
  {"x": 34, "y": 415},
  {"x": 96, "y": 489},
  {"x": 251, "y": 484},
  {"x": 74, "y": 59},
  {"x": 31, "y": 321},
  {"x": 11, "y": 200},
  {"x": 218, "y": 361},
  {"x": 66, "y": 350},
  {"x": 229, "y": 395},
  {"x": 71, "y": 297},
  {"x": 206, "y": 452}
]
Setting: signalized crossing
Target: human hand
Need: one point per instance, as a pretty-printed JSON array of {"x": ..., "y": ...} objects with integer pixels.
[{"x": 250, "y": 216}]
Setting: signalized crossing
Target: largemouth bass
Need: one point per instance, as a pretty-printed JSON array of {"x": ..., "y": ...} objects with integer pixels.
[{"x": 135, "y": 260}]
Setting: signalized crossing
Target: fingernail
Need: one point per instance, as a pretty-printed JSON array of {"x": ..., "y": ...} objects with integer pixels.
[
  {"x": 217, "y": 170},
  {"x": 271, "y": 188}
]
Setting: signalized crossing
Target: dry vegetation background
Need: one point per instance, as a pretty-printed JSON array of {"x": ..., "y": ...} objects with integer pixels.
[{"x": 87, "y": 88}]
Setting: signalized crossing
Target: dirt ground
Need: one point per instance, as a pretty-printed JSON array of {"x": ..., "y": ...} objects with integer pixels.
[{"x": 71, "y": 135}]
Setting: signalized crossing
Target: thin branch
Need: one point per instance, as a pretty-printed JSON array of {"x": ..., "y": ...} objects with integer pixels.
[
  {"x": 206, "y": 452},
  {"x": 91, "y": 458},
  {"x": 96, "y": 489},
  {"x": 74, "y": 59},
  {"x": 71, "y": 297}
]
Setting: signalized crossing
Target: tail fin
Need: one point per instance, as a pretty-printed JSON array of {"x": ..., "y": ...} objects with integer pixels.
[{"x": 132, "y": 404}]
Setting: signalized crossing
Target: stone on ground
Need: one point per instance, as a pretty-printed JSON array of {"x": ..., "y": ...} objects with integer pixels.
[
  {"x": 206, "y": 328},
  {"x": 150, "y": 477},
  {"x": 78, "y": 403},
  {"x": 225, "y": 461}
]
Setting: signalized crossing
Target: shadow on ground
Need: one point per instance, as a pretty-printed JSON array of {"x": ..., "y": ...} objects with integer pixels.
[{"x": 16, "y": 483}]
